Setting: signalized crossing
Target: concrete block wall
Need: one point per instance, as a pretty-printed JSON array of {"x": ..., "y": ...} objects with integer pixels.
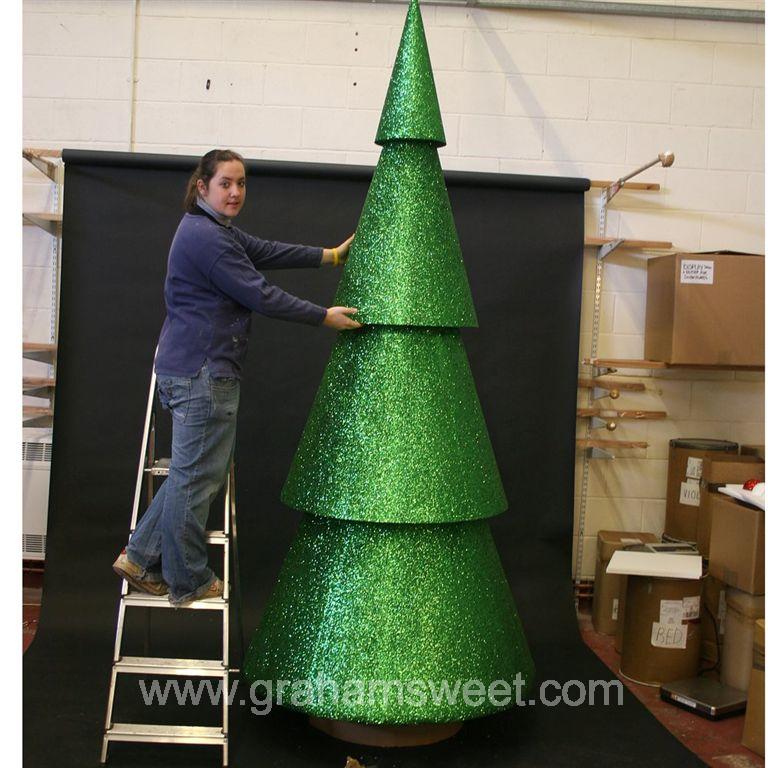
[{"x": 521, "y": 92}]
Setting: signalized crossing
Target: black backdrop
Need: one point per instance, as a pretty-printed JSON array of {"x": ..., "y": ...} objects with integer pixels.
[{"x": 522, "y": 242}]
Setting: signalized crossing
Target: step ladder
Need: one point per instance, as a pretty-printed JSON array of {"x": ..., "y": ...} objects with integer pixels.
[{"x": 151, "y": 469}]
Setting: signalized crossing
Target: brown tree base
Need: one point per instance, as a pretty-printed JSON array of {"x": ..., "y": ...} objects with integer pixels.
[{"x": 386, "y": 735}]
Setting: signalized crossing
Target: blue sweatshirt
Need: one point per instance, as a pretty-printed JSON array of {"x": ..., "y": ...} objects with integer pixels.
[{"x": 211, "y": 288}]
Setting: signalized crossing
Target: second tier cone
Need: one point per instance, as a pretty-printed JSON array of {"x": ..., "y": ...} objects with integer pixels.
[{"x": 405, "y": 266}]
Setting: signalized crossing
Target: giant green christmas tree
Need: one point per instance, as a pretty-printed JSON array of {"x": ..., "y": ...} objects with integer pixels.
[{"x": 393, "y": 575}]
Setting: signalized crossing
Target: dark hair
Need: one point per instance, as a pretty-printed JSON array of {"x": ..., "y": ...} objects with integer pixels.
[{"x": 206, "y": 170}]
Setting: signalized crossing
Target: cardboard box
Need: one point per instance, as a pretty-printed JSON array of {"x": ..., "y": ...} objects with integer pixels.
[
  {"x": 706, "y": 309},
  {"x": 753, "y": 450},
  {"x": 754, "y": 722},
  {"x": 658, "y": 649},
  {"x": 742, "y": 612},
  {"x": 737, "y": 547},
  {"x": 686, "y": 465},
  {"x": 605, "y": 604},
  {"x": 661, "y": 618},
  {"x": 717, "y": 472}
]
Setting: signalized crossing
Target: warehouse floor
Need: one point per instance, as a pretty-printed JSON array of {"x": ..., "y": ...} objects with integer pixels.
[{"x": 717, "y": 743}]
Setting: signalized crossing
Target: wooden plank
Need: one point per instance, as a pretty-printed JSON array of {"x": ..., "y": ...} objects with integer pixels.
[
  {"x": 600, "y": 362},
  {"x": 49, "y": 222},
  {"x": 45, "y": 216},
  {"x": 37, "y": 381},
  {"x": 647, "y": 186},
  {"x": 607, "y": 362},
  {"x": 38, "y": 387},
  {"x": 43, "y": 353},
  {"x": 608, "y": 413},
  {"x": 42, "y": 152},
  {"x": 630, "y": 386},
  {"x": 36, "y": 157},
  {"x": 650, "y": 245},
  {"x": 33, "y": 411},
  {"x": 582, "y": 443}
]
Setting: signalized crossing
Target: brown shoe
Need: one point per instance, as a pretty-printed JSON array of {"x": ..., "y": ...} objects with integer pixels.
[
  {"x": 131, "y": 572},
  {"x": 216, "y": 589}
]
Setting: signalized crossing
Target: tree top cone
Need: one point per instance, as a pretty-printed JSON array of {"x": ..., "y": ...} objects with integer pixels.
[{"x": 411, "y": 109}]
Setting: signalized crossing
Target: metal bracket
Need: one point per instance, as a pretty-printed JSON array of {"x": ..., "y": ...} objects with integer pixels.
[
  {"x": 599, "y": 453},
  {"x": 608, "y": 248}
]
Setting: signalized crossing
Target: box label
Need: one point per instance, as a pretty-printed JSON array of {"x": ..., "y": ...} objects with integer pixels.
[
  {"x": 694, "y": 468},
  {"x": 671, "y": 612},
  {"x": 615, "y": 609},
  {"x": 669, "y": 635},
  {"x": 691, "y": 607},
  {"x": 690, "y": 493},
  {"x": 696, "y": 271}
]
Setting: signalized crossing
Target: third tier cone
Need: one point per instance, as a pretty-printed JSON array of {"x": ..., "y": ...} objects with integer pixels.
[{"x": 396, "y": 434}]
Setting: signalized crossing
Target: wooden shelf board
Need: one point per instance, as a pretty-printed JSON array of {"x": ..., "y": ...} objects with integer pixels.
[
  {"x": 42, "y": 353},
  {"x": 650, "y": 245},
  {"x": 627, "y": 386},
  {"x": 37, "y": 381},
  {"x": 636, "y": 185},
  {"x": 618, "y": 413},
  {"x": 656, "y": 365},
  {"x": 36, "y": 151},
  {"x": 33, "y": 411},
  {"x": 45, "y": 216},
  {"x": 582, "y": 443}
]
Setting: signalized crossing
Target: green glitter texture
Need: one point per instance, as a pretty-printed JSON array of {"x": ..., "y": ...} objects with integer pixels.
[
  {"x": 396, "y": 434},
  {"x": 411, "y": 109},
  {"x": 393, "y": 576},
  {"x": 392, "y": 603},
  {"x": 405, "y": 265}
]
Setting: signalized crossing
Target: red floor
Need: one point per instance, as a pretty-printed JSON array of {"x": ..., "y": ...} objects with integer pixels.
[{"x": 717, "y": 743}]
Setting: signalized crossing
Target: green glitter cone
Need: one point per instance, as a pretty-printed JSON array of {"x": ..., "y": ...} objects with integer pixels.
[
  {"x": 405, "y": 265},
  {"x": 396, "y": 434},
  {"x": 389, "y": 614},
  {"x": 411, "y": 109}
]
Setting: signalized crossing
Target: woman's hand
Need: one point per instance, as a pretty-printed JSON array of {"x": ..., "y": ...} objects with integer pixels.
[
  {"x": 338, "y": 255},
  {"x": 339, "y": 318}
]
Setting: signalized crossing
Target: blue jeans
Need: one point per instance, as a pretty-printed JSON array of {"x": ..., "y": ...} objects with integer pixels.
[{"x": 169, "y": 540}]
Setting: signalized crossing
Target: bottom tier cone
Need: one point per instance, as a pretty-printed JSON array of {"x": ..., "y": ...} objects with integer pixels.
[{"x": 387, "y": 624}]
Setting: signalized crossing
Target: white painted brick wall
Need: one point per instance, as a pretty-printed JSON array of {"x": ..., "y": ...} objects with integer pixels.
[{"x": 521, "y": 92}]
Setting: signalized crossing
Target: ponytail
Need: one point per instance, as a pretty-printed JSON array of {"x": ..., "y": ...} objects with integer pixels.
[{"x": 205, "y": 171}]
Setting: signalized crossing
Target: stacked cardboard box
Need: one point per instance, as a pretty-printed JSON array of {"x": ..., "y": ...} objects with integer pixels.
[
  {"x": 743, "y": 611},
  {"x": 697, "y": 468},
  {"x": 737, "y": 557},
  {"x": 608, "y": 587},
  {"x": 754, "y": 722},
  {"x": 737, "y": 544}
]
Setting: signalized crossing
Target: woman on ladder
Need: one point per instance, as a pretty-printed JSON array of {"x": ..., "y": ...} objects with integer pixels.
[{"x": 211, "y": 288}]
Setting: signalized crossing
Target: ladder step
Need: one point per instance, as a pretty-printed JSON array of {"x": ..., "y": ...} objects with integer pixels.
[
  {"x": 141, "y": 665},
  {"x": 166, "y": 734},
  {"x": 151, "y": 601},
  {"x": 215, "y": 537}
]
